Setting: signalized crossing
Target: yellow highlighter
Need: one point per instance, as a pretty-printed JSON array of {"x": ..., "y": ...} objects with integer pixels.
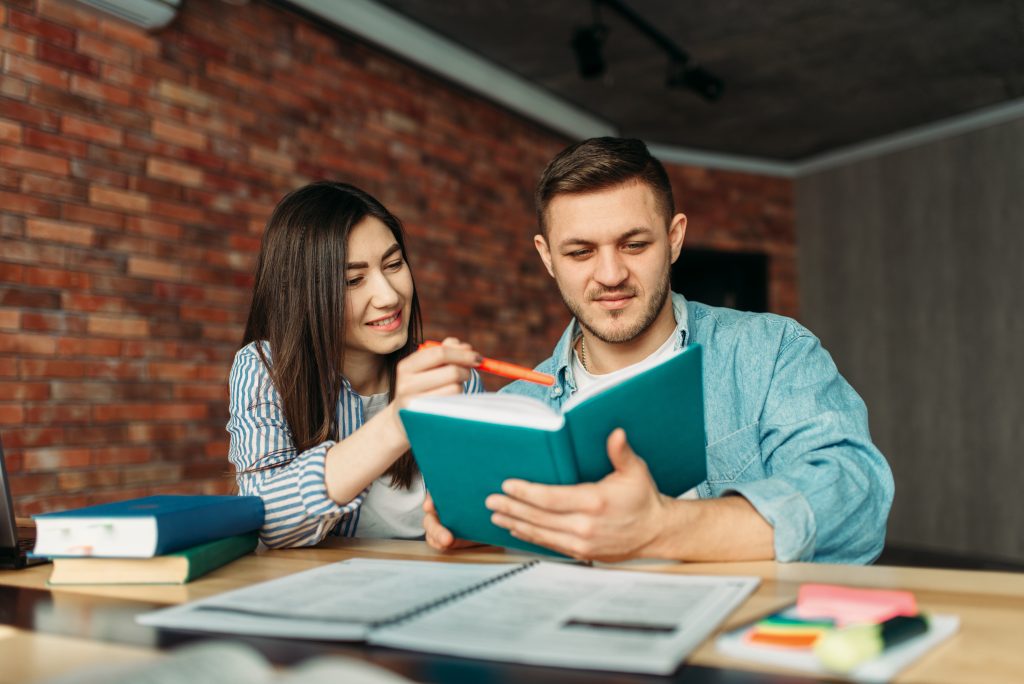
[{"x": 844, "y": 649}]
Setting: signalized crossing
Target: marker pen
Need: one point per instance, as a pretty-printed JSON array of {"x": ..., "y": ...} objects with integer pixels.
[
  {"x": 505, "y": 369},
  {"x": 845, "y": 649}
]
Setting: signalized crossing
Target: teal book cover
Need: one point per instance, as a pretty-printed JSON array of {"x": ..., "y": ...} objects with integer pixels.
[
  {"x": 145, "y": 527},
  {"x": 466, "y": 446}
]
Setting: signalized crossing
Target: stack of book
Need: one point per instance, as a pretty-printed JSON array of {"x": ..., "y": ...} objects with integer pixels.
[{"x": 153, "y": 540}]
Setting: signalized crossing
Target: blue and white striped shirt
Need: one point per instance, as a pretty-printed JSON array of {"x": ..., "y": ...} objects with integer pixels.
[{"x": 298, "y": 510}]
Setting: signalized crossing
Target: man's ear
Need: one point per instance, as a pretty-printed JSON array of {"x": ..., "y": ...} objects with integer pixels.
[
  {"x": 545, "y": 254},
  {"x": 676, "y": 234}
]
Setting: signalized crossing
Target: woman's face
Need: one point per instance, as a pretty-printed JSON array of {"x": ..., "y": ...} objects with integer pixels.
[{"x": 378, "y": 290}]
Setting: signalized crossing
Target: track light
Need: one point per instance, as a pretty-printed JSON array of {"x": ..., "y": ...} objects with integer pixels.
[
  {"x": 696, "y": 78},
  {"x": 588, "y": 43}
]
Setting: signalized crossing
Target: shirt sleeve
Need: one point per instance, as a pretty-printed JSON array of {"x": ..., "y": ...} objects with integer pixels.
[
  {"x": 298, "y": 511},
  {"x": 829, "y": 489},
  {"x": 474, "y": 385}
]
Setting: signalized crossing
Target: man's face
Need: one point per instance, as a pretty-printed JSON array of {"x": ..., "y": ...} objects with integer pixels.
[{"x": 611, "y": 253}]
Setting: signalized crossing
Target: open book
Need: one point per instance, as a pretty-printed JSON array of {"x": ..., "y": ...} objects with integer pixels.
[
  {"x": 540, "y": 613},
  {"x": 467, "y": 445}
]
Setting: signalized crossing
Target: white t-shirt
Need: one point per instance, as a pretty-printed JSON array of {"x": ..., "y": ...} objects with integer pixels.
[
  {"x": 585, "y": 378},
  {"x": 390, "y": 512}
]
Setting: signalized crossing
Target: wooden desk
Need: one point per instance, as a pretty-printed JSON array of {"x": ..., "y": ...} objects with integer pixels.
[{"x": 988, "y": 647}]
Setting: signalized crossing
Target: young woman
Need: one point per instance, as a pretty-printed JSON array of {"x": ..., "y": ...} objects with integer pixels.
[{"x": 329, "y": 357}]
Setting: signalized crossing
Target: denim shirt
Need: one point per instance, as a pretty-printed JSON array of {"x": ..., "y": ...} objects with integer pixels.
[{"x": 783, "y": 429}]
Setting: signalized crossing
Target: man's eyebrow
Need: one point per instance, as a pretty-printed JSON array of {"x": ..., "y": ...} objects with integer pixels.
[
  {"x": 631, "y": 233},
  {"x": 362, "y": 264},
  {"x": 574, "y": 241}
]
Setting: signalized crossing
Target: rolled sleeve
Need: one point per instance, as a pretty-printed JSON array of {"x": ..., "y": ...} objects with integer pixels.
[
  {"x": 788, "y": 512},
  {"x": 829, "y": 489}
]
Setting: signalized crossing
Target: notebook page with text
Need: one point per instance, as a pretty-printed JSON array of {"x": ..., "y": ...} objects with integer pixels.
[
  {"x": 337, "y": 601},
  {"x": 574, "y": 616}
]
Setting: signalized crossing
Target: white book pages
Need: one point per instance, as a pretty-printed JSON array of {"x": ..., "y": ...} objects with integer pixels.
[
  {"x": 338, "y": 601},
  {"x": 116, "y": 537},
  {"x": 581, "y": 617},
  {"x": 520, "y": 411},
  {"x": 490, "y": 407},
  {"x": 540, "y": 613}
]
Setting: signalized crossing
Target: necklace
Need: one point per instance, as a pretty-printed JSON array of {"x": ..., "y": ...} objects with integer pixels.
[{"x": 583, "y": 353}]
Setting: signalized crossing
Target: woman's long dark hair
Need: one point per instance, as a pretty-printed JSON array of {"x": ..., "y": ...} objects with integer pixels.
[{"x": 298, "y": 306}]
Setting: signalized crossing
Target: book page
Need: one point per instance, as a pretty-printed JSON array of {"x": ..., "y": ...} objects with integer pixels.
[
  {"x": 491, "y": 407},
  {"x": 338, "y": 601},
  {"x": 576, "y": 616},
  {"x": 359, "y": 590}
]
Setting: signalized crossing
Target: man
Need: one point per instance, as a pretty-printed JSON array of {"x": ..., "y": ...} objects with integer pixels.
[{"x": 792, "y": 472}]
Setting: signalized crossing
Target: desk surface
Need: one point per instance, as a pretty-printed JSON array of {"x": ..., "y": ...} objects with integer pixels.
[{"x": 987, "y": 648}]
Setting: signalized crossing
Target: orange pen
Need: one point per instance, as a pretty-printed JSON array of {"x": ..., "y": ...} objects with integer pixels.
[{"x": 506, "y": 370}]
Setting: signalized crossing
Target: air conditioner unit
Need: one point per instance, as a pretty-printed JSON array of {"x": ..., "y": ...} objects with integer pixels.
[{"x": 149, "y": 14}]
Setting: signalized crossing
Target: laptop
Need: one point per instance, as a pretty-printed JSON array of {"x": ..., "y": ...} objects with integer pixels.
[{"x": 15, "y": 544}]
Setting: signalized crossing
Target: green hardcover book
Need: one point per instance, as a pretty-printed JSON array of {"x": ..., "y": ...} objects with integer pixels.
[
  {"x": 467, "y": 445},
  {"x": 174, "y": 568}
]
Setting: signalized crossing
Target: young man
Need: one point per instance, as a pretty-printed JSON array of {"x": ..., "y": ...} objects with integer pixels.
[{"x": 792, "y": 472}]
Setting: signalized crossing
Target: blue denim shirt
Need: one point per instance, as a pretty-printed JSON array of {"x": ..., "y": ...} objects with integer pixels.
[{"x": 783, "y": 429}]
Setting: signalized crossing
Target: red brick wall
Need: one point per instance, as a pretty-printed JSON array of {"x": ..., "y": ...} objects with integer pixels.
[
  {"x": 136, "y": 172},
  {"x": 732, "y": 211}
]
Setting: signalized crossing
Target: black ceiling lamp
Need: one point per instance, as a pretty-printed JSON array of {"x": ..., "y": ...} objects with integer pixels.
[
  {"x": 588, "y": 43},
  {"x": 683, "y": 72},
  {"x": 696, "y": 78}
]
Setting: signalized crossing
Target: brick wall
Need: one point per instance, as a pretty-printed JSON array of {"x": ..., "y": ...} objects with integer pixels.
[
  {"x": 137, "y": 170},
  {"x": 742, "y": 212}
]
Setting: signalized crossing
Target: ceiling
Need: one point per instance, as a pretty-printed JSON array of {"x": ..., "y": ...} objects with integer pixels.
[{"x": 802, "y": 77}]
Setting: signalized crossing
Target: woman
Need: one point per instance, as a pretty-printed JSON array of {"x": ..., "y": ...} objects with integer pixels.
[{"x": 329, "y": 357}]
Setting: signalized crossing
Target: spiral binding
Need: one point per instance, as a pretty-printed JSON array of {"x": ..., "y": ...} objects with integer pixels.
[{"x": 419, "y": 610}]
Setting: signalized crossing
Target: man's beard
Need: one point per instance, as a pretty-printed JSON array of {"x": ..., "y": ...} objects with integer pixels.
[{"x": 654, "y": 305}]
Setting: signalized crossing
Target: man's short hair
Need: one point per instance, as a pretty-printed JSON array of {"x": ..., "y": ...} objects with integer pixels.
[{"x": 598, "y": 164}]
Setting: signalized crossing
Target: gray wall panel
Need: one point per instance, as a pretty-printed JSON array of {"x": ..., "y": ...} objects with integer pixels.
[{"x": 912, "y": 274}]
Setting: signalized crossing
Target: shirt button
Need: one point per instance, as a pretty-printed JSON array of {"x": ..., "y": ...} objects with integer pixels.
[{"x": 556, "y": 392}]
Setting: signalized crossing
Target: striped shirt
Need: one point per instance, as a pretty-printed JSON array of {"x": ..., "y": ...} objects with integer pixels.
[{"x": 298, "y": 511}]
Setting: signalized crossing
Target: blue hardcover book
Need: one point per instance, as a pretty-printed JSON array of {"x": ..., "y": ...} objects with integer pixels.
[
  {"x": 467, "y": 445},
  {"x": 147, "y": 527}
]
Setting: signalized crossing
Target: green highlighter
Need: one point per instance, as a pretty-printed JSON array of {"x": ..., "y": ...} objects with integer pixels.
[{"x": 845, "y": 649}]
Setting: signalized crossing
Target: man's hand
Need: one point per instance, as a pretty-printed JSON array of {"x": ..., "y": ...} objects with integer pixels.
[
  {"x": 438, "y": 536},
  {"x": 614, "y": 519}
]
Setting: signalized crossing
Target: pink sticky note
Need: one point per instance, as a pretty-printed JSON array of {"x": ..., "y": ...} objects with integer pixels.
[{"x": 848, "y": 606}]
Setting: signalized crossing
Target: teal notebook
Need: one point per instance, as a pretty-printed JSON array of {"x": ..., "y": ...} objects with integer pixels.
[{"x": 467, "y": 445}]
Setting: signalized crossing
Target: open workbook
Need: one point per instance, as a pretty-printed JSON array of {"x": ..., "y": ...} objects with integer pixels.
[
  {"x": 467, "y": 445},
  {"x": 541, "y": 613}
]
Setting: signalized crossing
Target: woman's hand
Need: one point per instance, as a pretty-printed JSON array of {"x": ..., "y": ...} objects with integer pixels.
[
  {"x": 432, "y": 371},
  {"x": 438, "y": 536},
  {"x": 360, "y": 458}
]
